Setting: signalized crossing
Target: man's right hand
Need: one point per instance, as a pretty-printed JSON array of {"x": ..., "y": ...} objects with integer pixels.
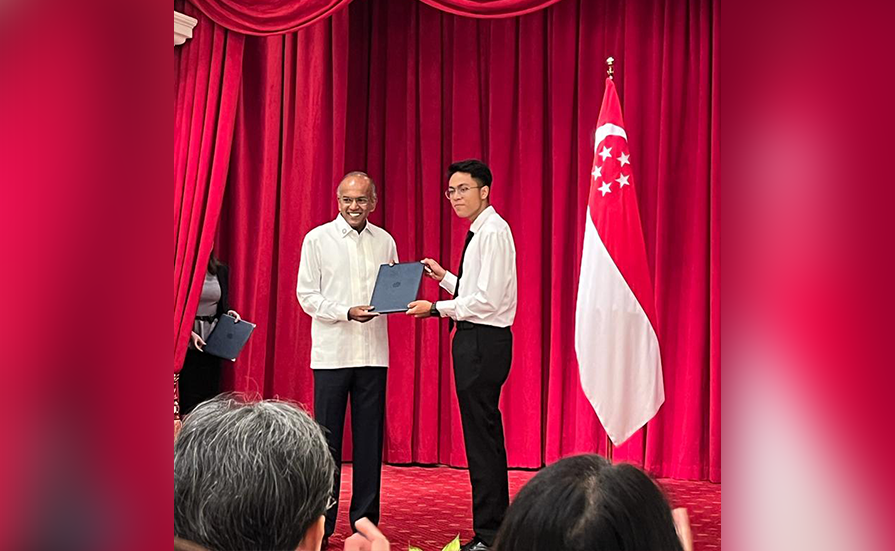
[
  {"x": 433, "y": 269},
  {"x": 361, "y": 313}
]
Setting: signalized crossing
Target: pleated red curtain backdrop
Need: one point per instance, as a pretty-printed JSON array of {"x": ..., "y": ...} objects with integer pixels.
[{"x": 399, "y": 89}]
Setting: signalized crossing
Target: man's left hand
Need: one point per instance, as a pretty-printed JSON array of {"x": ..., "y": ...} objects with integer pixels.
[{"x": 419, "y": 308}]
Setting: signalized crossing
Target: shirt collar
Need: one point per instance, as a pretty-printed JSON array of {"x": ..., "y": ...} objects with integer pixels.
[
  {"x": 481, "y": 218},
  {"x": 344, "y": 228}
]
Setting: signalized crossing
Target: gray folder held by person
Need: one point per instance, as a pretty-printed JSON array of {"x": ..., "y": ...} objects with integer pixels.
[
  {"x": 228, "y": 337},
  {"x": 396, "y": 287}
]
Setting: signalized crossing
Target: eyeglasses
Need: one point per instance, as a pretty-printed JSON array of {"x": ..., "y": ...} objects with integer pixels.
[
  {"x": 361, "y": 201},
  {"x": 462, "y": 190},
  {"x": 331, "y": 502}
]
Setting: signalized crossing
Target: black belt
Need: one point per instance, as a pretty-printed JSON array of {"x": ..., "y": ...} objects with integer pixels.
[
  {"x": 206, "y": 318},
  {"x": 467, "y": 325}
]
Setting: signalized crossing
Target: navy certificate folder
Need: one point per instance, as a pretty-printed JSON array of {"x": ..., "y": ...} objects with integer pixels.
[
  {"x": 396, "y": 287},
  {"x": 228, "y": 337}
]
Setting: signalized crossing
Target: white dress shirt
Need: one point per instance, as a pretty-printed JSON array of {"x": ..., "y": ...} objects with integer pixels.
[
  {"x": 338, "y": 270},
  {"x": 487, "y": 293}
]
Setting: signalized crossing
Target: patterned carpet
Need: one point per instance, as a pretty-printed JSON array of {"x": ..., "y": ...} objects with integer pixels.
[{"x": 428, "y": 506}]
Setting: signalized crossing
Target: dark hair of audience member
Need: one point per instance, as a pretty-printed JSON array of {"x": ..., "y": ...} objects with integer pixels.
[
  {"x": 249, "y": 476},
  {"x": 584, "y": 503}
]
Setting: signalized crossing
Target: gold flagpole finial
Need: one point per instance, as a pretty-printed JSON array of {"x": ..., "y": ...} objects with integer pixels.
[{"x": 609, "y": 62}]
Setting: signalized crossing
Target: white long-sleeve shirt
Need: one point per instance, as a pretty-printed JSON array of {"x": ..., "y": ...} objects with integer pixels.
[
  {"x": 487, "y": 293},
  {"x": 337, "y": 271}
]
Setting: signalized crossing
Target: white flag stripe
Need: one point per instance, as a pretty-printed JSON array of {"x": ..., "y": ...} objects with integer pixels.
[{"x": 617, "y": 346}]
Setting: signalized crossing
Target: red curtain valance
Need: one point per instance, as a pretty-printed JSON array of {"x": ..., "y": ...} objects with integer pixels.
[
  {"x": 489, "y": 9},
  {"x": 271, "y": 17},
  {"x": 267, "y": 17}
]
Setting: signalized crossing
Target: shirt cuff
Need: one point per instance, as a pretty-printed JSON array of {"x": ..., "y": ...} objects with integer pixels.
[
  {"x": 449, "y": 283},
  {"x": 339, "y": 312},
  {"x": 447, "y": 308}
]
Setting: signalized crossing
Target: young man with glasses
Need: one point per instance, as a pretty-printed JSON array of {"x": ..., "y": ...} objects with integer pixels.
[
  {"x": 483, "y": 309},
  {"x": 339, "y": 264}
]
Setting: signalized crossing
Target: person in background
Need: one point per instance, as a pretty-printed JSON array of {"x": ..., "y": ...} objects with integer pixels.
[
  {"x": 585, "y": 503},
  {"x": 200, "y": 377}
]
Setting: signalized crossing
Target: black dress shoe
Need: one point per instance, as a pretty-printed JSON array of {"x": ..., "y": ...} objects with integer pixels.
[{"x": 474, "y": 545}]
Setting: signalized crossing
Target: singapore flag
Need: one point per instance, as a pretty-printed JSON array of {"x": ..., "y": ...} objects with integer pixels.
[{"x": 615, "y": 317}]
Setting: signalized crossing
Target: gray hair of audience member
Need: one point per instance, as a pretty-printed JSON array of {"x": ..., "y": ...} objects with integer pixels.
[{"x": 249, "y": 476}]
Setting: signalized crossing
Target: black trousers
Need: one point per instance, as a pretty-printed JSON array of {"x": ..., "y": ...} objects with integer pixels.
[
  {"x": 482, "y": 357},
  {"x": 366, "y": 388},
  {"x": 200, "y": 379}
]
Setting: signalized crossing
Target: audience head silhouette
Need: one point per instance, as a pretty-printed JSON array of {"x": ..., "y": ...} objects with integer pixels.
[
  {"x": 251, "y": 476},
  {"x": 584, "y": 503}
]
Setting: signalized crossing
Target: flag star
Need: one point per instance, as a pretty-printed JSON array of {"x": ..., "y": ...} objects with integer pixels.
[
  {"x": 596, "y": 173},
  {"x": 624, "y": 159},
  {"x": 605, "y": 188},
  {"x": 623, "y": 180},
  {"x": 606, "y": 152}
]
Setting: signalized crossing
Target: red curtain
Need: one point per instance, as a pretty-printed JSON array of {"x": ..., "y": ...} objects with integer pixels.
[
  {"x": 207, "y": 72},
  {"x": 399, "y": 89},
  {"x": 267, "y": 17}
]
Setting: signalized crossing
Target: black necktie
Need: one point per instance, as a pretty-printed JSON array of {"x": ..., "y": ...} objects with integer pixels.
[{"x": 469, "y": 235}]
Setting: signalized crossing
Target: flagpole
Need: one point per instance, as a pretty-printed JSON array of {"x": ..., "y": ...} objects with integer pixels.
[{"x": 609, "y": 71}]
